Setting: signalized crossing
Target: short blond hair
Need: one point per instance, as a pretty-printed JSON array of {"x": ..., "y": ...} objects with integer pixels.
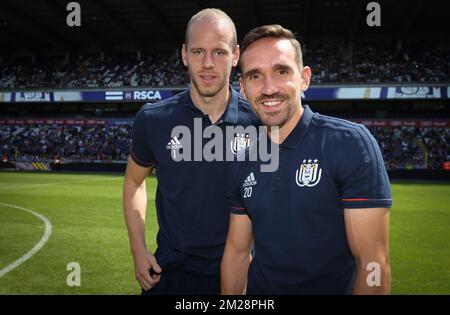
[{"x": 213, "y": 15}]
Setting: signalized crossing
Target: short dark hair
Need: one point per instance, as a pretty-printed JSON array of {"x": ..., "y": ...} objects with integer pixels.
[
  {"x": 273, "y": 31},
  {"x": 212, "y": 14}
]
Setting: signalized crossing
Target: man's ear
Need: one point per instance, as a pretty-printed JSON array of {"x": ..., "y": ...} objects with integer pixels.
[
  {"x": 241, "y": 85},
  {"x": 306, "y": 77},
  {"x": 184, "y": 55},
  {"x": 236, "y": 55}
]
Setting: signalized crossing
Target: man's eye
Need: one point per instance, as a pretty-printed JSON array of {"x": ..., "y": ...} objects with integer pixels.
[
  {"x": 197, "y": 52},
  {"x": 282, "y": 72},
  {"x": 253, "y": 77}
]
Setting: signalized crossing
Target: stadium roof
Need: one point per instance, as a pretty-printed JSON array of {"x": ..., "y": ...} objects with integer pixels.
[{"x": 40, "y": 25}]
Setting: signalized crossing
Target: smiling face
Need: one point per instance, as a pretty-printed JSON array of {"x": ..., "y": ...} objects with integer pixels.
[
  {"x": 209, "y": 56},
  {"x": 272, "y": 81}
]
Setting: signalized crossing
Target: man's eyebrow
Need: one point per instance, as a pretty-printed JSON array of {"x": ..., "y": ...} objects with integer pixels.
[
  {"x": 251, "y": 72},
  {"x": 279, "y": 66}
]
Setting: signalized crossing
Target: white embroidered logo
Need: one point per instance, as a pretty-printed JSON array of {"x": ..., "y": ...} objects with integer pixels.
[
  {"x": 250, "y": 180},
  {"x": 241, "y": 141},
  {"x": 248, "y": 183},
  {"x": 308, "y": 174},
  {"x": 174, "y": 145}
]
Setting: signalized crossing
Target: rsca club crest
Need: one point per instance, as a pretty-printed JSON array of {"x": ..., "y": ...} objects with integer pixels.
[
  {"x": 240, "y": 141},
  {"x": 308, "y": 173}
]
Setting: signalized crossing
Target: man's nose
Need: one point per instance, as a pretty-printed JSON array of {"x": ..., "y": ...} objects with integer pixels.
[
  {"x": 208, "y": 61},
  {"x": 269, "y": 87}
]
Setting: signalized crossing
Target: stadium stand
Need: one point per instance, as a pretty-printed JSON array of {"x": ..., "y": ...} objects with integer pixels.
[
  {"x": 330, "y": 63},
  {"x": 134, "y": 47},
  {"x": 402, "y": 147},
  {"x": 69, "y": 142},
  {"x": 94, "y": 71}
]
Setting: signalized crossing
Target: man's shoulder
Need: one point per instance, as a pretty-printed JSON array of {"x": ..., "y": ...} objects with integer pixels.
[
  {"x": 245, "y": 113},
  {"x": 339, "y": 128},
  {"x": 242, "y": 101},
  {"x": 165, "y": 107},
  {"x": 334, "y": 123},
  {"x": 347, "y": 141}
]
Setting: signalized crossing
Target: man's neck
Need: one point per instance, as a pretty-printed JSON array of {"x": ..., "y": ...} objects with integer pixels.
[
  {"x": 287, "y": 128},
  {"x": 213, "y": 106}
]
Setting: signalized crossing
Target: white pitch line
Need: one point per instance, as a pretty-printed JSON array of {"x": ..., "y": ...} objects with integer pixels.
[
  {"x": 38, "y": 246},
  {"x": 57, "y": 183}
]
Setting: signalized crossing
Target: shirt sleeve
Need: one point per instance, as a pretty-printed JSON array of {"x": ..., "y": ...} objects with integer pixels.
[
  {"x": 141, "y": 151},
  {"x": 363, "y": 179},
  {"x": 234, "y": 194}
]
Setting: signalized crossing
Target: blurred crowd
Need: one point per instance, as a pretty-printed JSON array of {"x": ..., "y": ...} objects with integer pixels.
[
  {"x": 417, "y": 63},
  {"x": 329, "y": 63},
  {"x": 405, "y": 147},
  {"x": 402, "y": 147},
  {"x": 94, "y": 71},
  {"x": 67, "y": 142}
]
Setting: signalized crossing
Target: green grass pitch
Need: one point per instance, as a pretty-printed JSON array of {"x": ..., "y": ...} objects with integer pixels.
[{"x": 88, "y": 227}]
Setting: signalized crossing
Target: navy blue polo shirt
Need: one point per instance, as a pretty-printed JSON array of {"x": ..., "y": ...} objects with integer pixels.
[
  {"x": 325, "y": 165},
  {"x": 191, "y": 200}
]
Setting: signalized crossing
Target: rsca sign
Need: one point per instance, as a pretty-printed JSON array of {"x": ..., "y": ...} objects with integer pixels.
[{"x": 146, "y": 95}]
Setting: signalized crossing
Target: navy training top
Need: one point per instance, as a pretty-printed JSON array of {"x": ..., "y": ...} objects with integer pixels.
[
  {"x": 191, "y": 201},
  {"x": 326, "y": 165}
]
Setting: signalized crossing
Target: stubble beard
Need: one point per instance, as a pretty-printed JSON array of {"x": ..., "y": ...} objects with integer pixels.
[
  {"x": 279, "y": 118},
  {"x": 209, "y": 91}
]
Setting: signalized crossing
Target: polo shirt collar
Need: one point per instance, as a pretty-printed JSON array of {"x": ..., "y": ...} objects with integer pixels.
[
  {"x": 231, "y": 112},
  {"x": 294, "y": 138}
]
